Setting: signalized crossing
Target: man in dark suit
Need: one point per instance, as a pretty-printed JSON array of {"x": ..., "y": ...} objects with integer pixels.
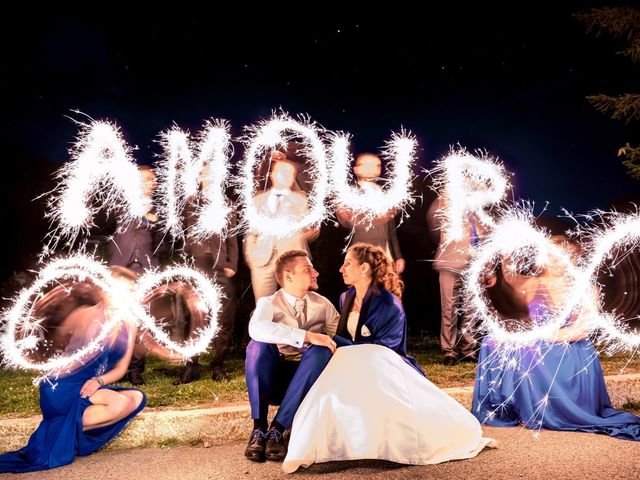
[
  {"x": 137, "y": 248},
  {"x": 217, "y": 258},
  {"x": 382, "y": 230}
]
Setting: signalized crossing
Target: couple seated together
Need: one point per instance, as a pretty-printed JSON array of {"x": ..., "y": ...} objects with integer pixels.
[{"x": 346, "y": 387}]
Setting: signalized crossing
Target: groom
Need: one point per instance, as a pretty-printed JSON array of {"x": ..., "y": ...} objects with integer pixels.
[{"x": 291, "y": 344}]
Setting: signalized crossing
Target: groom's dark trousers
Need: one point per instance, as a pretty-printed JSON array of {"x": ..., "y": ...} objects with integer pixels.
[{"x": 273, "y": 380}]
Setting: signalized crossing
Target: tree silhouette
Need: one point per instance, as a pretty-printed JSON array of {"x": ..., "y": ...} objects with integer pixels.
[{"x": 621, "y": 22}]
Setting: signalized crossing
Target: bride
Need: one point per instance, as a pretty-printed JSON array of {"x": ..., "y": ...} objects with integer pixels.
[{"x": 373, "y": 401}]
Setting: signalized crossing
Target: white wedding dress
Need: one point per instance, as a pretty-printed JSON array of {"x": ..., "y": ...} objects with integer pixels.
[{"x": 369, "y": 404}]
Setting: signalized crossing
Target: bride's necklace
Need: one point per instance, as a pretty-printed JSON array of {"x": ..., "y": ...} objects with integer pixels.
[{"x": 358, "y": 302}]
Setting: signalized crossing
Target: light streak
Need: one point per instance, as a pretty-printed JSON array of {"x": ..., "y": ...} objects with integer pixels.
[
  {"x": 19, "y": 321},
  {"x": 101, "y": 175},
  {"x": 468, "y": 185},
  {"x": 515, "y": 242},
  {"x": 368, "y": 201},
  {"x": 182, "y": 169},
  {"x": 208, "y": 293},
  {"x": 21, "y": 333},
  {"x": 266, "y": 136}
]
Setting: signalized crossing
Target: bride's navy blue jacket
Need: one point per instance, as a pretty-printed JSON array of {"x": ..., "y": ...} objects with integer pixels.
[{"x": 384, "y": 318}]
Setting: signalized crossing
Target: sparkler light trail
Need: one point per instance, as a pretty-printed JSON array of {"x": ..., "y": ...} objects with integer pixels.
[
  {"x": 620, "y": 233},
  {"x": 101, "y": 175},
  {"x": 268, "y": 135},
  {"x": 23, "y": 333},
  {"x": 468, "y": 185},
  {"x": 515, "y": 242},
  {"x": 367, "y": 203},
  {"x": 208, "y": 293},
  {"x": 180, "y": 175},
  {"x": 526, "y": 372}
]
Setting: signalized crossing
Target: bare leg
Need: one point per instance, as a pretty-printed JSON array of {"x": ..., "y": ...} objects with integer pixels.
[{"x": 110, "y": 406}]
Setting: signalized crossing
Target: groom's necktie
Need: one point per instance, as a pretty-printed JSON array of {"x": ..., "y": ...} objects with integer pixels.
[{"x": 300, "y": 311}]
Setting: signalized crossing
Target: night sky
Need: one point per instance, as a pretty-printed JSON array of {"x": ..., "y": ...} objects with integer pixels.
[{"x": 509, "y": 80}]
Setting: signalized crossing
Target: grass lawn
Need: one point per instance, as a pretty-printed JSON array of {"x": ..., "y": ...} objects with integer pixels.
[{"x": 19, "y": 398}]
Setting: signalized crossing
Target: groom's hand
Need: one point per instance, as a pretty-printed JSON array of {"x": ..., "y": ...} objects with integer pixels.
[{"x": 320, "y": 339}]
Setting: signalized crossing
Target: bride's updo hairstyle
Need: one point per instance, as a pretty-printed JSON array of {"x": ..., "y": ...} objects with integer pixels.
[{"x": 383, "y": 274}]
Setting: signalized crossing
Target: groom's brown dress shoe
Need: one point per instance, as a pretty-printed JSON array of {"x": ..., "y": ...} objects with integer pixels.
[
  {"x": 276, "y": 446},
  {"x": 256, "y": 446}
]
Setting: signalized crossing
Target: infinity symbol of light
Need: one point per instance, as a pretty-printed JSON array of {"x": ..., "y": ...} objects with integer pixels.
[
  {"x": 514, "y": 238},
  {"x": 123, "y": 305}
]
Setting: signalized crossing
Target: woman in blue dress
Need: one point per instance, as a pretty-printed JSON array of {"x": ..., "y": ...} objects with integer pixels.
[
  {"x": 555, "y": 385},
  {"x": 82, "y": 411}
]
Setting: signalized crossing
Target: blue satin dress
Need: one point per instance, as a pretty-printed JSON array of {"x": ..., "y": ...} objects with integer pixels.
[
  {"x": 59, "y": 437},
  {"x": 548, "y": 385}
]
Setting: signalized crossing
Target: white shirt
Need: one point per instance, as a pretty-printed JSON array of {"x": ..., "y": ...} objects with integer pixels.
[
  {"x": 274, "y": 321},
  {"x": 292, "y": 299},
  {"x": 275, "y": 199}
]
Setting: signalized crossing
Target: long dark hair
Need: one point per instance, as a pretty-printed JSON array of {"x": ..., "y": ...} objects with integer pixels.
[{"x": 504, "y": 299}]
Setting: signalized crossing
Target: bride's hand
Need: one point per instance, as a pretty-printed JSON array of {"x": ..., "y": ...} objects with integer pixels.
[{"x": 320, "y": 339}]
